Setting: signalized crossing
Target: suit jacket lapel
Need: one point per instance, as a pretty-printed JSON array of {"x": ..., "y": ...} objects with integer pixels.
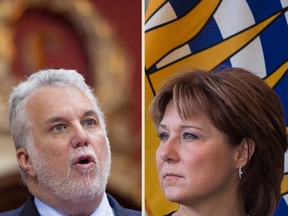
[{"x": 29, "y": 208}]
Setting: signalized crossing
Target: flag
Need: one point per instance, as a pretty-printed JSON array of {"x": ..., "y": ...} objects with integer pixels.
[{"x": 206, "y": 34}]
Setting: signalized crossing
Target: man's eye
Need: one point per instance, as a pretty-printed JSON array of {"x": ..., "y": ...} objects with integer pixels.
[
  {"x": 58, "y": 128},
  {"x": 189, "y": 136},
  {"x": 89, "y": 122},
  {"x": 163, "y": 136}
]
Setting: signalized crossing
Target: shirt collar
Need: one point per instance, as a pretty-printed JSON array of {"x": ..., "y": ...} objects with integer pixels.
[{"x": 45, "y": 210}]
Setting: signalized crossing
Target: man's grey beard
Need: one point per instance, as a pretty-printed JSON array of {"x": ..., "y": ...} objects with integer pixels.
[{"x": 62, "y": 185}]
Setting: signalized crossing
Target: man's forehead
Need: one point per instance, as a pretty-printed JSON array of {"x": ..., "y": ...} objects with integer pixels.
[
  {"x": 55, "y": 101},
  {"x": 62, "y": 93}
]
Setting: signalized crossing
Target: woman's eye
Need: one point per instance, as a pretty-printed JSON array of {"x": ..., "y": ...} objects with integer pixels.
[
  {"x": 189, "y": 136},
  {"x": 58, "y": 128},
  {"x": 163, "y": 136},
  {"x": 89, "y": 122}
]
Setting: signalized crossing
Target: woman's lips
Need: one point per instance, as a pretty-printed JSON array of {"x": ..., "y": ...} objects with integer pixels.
[{"x": 172, "y": 176}]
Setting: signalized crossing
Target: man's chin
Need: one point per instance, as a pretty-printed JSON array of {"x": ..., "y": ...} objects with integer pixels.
[{"x": 85, "y": 168}]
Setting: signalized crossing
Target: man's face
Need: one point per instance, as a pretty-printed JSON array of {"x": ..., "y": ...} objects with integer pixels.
[{"x": 71, "y": 153}]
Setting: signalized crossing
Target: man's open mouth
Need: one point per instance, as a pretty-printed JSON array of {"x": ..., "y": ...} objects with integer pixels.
[{"x": 82, "y": 160}]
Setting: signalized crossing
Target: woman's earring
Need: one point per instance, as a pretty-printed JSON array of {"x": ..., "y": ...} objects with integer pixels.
[{"x": 240, "y": 172}]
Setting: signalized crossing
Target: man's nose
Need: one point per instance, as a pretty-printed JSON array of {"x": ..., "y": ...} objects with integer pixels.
[
  {"x": 169, "y": 151},
  {"x": 79, "y": 137}
]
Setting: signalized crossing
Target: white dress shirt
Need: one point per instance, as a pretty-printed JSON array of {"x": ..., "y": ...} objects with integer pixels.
[{"x": 45, "y": 210}]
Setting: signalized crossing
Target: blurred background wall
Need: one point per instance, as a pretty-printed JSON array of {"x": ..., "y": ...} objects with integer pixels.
[{"x": 101, "y": 40}]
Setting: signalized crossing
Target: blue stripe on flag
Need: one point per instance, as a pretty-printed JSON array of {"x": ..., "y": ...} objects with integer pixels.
[
  {"x": 282, "y": 208},
  {"x": 274, "y": 38},
  {"x": 207, "y": 37},
  {"x": 264, "y": 8},
  {"x": 179, "y": 9},
  {"x": 275, "y": 44},
  {"x": 282, "y": 90},
  {"x": 151, "y": 70}
]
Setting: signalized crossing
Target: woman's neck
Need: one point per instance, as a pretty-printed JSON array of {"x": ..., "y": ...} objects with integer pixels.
[
  {"x": 188, "y": 211},
  {"x": 230, "y": 205}
]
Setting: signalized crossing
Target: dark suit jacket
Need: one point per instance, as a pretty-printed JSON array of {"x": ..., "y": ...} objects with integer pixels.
[{"x": 29, "y": 209}]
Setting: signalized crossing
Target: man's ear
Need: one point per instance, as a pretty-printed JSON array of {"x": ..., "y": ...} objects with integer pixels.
[
  {"x": 24, "y": 160},
  {"x": 244, "y": 152}
]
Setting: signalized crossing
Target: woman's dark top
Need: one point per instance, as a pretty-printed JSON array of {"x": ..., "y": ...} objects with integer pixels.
[{"x": 170, "y": 214}]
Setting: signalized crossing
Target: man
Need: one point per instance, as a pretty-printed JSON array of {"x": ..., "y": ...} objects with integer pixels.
[{"x": 61, "y": 146}]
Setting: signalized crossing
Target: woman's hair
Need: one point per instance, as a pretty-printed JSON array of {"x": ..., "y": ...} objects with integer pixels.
[
  {"x": 19, "y": 122},
  {"x": 241, "y": 106}
]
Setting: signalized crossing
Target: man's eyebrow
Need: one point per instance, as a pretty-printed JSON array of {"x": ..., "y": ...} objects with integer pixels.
[
  {"x": 90, "y": 113},
  {"x": 55, "y": 119}
]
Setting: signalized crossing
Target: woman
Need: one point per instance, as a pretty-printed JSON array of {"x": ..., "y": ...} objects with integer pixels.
[{"x": 222, "y": 143}]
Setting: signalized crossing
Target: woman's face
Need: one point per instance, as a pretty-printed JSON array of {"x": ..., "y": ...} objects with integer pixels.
[{"x": 194, "y": 161}]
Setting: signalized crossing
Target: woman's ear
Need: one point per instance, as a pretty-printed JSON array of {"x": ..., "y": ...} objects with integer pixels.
[
  {"x": 244, "y": 152},
  {"x": 24, "y": 160}
]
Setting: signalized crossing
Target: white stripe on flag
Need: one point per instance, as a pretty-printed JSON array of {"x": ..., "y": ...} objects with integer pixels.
[
  {"x": 165, "y": 14},
  {"x": 173, "y": 56},
  {"x": 232, "y": 17},
  {"x": 284, "y": 4}
]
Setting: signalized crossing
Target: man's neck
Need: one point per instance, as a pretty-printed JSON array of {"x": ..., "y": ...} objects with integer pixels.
[
  {"x": 45, "y": 210},
  {"x": 78, "y": 207}
]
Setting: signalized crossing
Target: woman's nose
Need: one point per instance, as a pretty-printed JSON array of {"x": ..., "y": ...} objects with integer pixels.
[
  {"x": 79, "y": 137},
  {"x": 169, "y": 151}
]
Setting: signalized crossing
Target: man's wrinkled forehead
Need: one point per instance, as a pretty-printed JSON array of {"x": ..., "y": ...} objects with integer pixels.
[{"x": 52, "y": 99}]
